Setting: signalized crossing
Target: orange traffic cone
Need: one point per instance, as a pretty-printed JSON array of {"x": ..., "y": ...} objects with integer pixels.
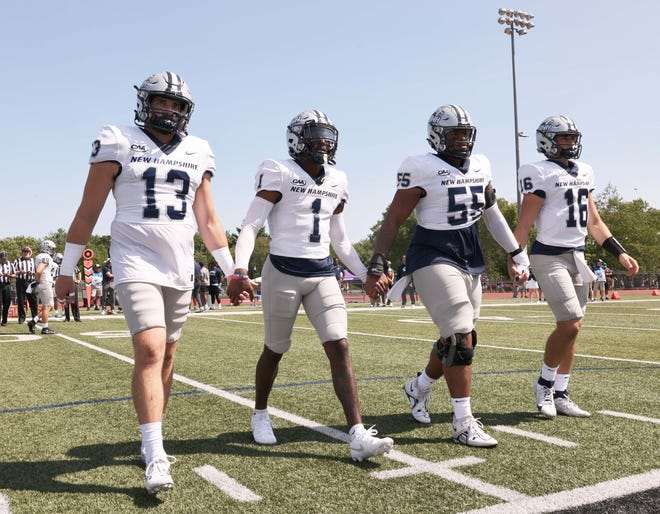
[
  {"x": 655, "y": 292},
  {"x": 615, "y": 296}
]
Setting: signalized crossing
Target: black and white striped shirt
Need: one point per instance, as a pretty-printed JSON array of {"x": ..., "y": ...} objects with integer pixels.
[
  {"x": 24, "y": 269},
  {"x": 6, "y": 268}
]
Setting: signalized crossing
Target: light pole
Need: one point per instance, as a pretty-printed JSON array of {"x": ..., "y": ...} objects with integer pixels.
[{"x": 517, "y": 22}]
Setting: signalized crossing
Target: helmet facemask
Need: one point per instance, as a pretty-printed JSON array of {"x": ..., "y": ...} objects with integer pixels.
[
  {"x": 311, "y": 135},
  {"x": 314, "y": 137},
  {"x": 549, "y": 130},
  {"x": 444, "y": 127},
  {"x": 167, "y": 85}
]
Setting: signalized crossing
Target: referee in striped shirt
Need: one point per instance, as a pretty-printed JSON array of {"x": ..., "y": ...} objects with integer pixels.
[
  {"x": 6, "y": 274},
  {"x": 24, "y": 268}
]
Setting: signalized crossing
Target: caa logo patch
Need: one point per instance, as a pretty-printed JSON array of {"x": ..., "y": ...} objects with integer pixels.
[
  {"x": 299, "y": 182},
  {"x": 443, "y": 173},
  {"x": 139, "y": 147}
]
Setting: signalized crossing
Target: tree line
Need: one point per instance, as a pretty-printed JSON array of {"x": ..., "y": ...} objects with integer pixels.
[{"x": 635, "y": 224}]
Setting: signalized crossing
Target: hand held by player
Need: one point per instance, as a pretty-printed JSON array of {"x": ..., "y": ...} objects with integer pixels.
[
  {"x": 64, "y": 289},
  {"x": 240, "y": 287}
]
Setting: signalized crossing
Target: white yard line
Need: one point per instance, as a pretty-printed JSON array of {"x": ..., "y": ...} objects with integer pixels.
[
  {"x": 535, "y": 435},
  {"x": 629, "y": 416},
  {"x": 227, "y": 484},
  {"x": 577, "y": 497}
]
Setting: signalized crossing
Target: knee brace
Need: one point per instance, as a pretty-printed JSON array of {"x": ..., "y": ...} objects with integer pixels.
[{"x": 452, "y": 353}]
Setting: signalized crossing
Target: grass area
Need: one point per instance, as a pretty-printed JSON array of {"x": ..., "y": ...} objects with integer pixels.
[{"x": 70, "y": 439}]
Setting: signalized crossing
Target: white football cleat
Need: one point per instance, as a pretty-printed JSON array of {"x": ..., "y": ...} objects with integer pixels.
[
  {"x": 364, "y": 445},
  {"x": 545, "y": 401},
  {"x": 158, "y": 474},
  {"x": 262, "y": 429},
  {"x": 469, "y": 431},
  {"x": 419, "y": 402}
]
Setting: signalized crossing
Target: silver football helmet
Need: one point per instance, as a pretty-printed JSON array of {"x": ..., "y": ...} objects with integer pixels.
[
  {"x": 545, "y": 138},
  {"x": 58, "y": 258},
  {"x": 310, "y": 127},
  {"x": 445, "y": 119},
  {"x": 47, "y": 246},
  {"x": 172, "y": 86}
]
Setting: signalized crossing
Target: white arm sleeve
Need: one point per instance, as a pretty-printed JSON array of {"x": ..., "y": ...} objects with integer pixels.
[
  {"x": 343, "y": 247},
  {"x": 499, "y": 229},
  {"x": 255, "y": 218}
]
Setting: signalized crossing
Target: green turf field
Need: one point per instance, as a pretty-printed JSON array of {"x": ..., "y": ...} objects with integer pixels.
[{"x": 70, "y": 439}]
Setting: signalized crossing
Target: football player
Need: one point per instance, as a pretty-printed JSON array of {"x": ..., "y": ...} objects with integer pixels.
[
  {"x": 161, "y": 180},
  {"x": 303, "y": 198},
  {"x": 43, "y": 286},
  {"x": 558, "y": 201},
  {"x": 449, "y": 190}
]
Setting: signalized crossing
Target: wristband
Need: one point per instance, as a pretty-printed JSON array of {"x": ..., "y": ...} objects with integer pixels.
[
  {"x": 612, "y": 246},
  {"x": 378, "y": 265},
  {"x": 223, "y": 257},
  {"x": 516, "y": 252},
  {"x": 240, "y": 276},
  {"x": 72, "y": 252}
]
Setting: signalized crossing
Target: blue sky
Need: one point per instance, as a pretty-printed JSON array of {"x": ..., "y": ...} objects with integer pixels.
[{"x": 377, "y": 68}]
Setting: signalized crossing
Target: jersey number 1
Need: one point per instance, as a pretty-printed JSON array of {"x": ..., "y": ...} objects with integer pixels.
[{"x": 315, "y": 236}]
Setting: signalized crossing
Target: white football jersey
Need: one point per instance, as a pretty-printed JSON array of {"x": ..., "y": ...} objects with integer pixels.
[
  {"x": 299, "y": 224},
  {"x": 47, "y": 273},
  {"x": 562, "y": 220},
  {"x": 152, "y": 233},
  {"x": 453, "y": 199}
]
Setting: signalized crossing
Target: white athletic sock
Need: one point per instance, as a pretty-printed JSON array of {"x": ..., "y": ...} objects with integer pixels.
[
  {"x": 461, "y": 407},
  {"x": 152, "y": 440},
  {"x": 548, "y": 373},
  {"x": 261, "y": 412},
  {"x": 561, "y": 382},
  {"x": 424, "y": 382}
]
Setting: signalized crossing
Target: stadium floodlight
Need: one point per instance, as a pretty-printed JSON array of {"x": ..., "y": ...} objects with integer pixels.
[{"x": 516, "y": 23}]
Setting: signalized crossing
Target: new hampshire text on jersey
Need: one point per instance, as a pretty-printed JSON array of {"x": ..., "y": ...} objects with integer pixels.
[{"x": 167, "y": 162}]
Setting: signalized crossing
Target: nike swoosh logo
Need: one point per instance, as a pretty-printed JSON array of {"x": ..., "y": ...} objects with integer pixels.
[{"x": 190, "y": 153}]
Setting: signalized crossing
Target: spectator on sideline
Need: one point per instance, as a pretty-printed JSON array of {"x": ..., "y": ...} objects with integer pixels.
[
  {"x": 445, "y": 258},
  {"x": 215, "y": 286},
  {"x": 204, "y": 283},
  {"x": 158, "y": 209},
  {"x": 108, "y": 288},
  {"x": 532, "y": 287},
  {"x": 609, "y": 281},
  {"x": 558, "y": 201},
  {"x": 302, "y": 199},
  {"x": 6, "y": 274},
  {"x": 24, "y": 267},
  {"x": 408, "y": 291},
  {"x": 73, "y": 305},
  {"x": 196, "y": 298},
  {"x": 96, "y": 288},
  {"x": 599, "y": 271}
]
